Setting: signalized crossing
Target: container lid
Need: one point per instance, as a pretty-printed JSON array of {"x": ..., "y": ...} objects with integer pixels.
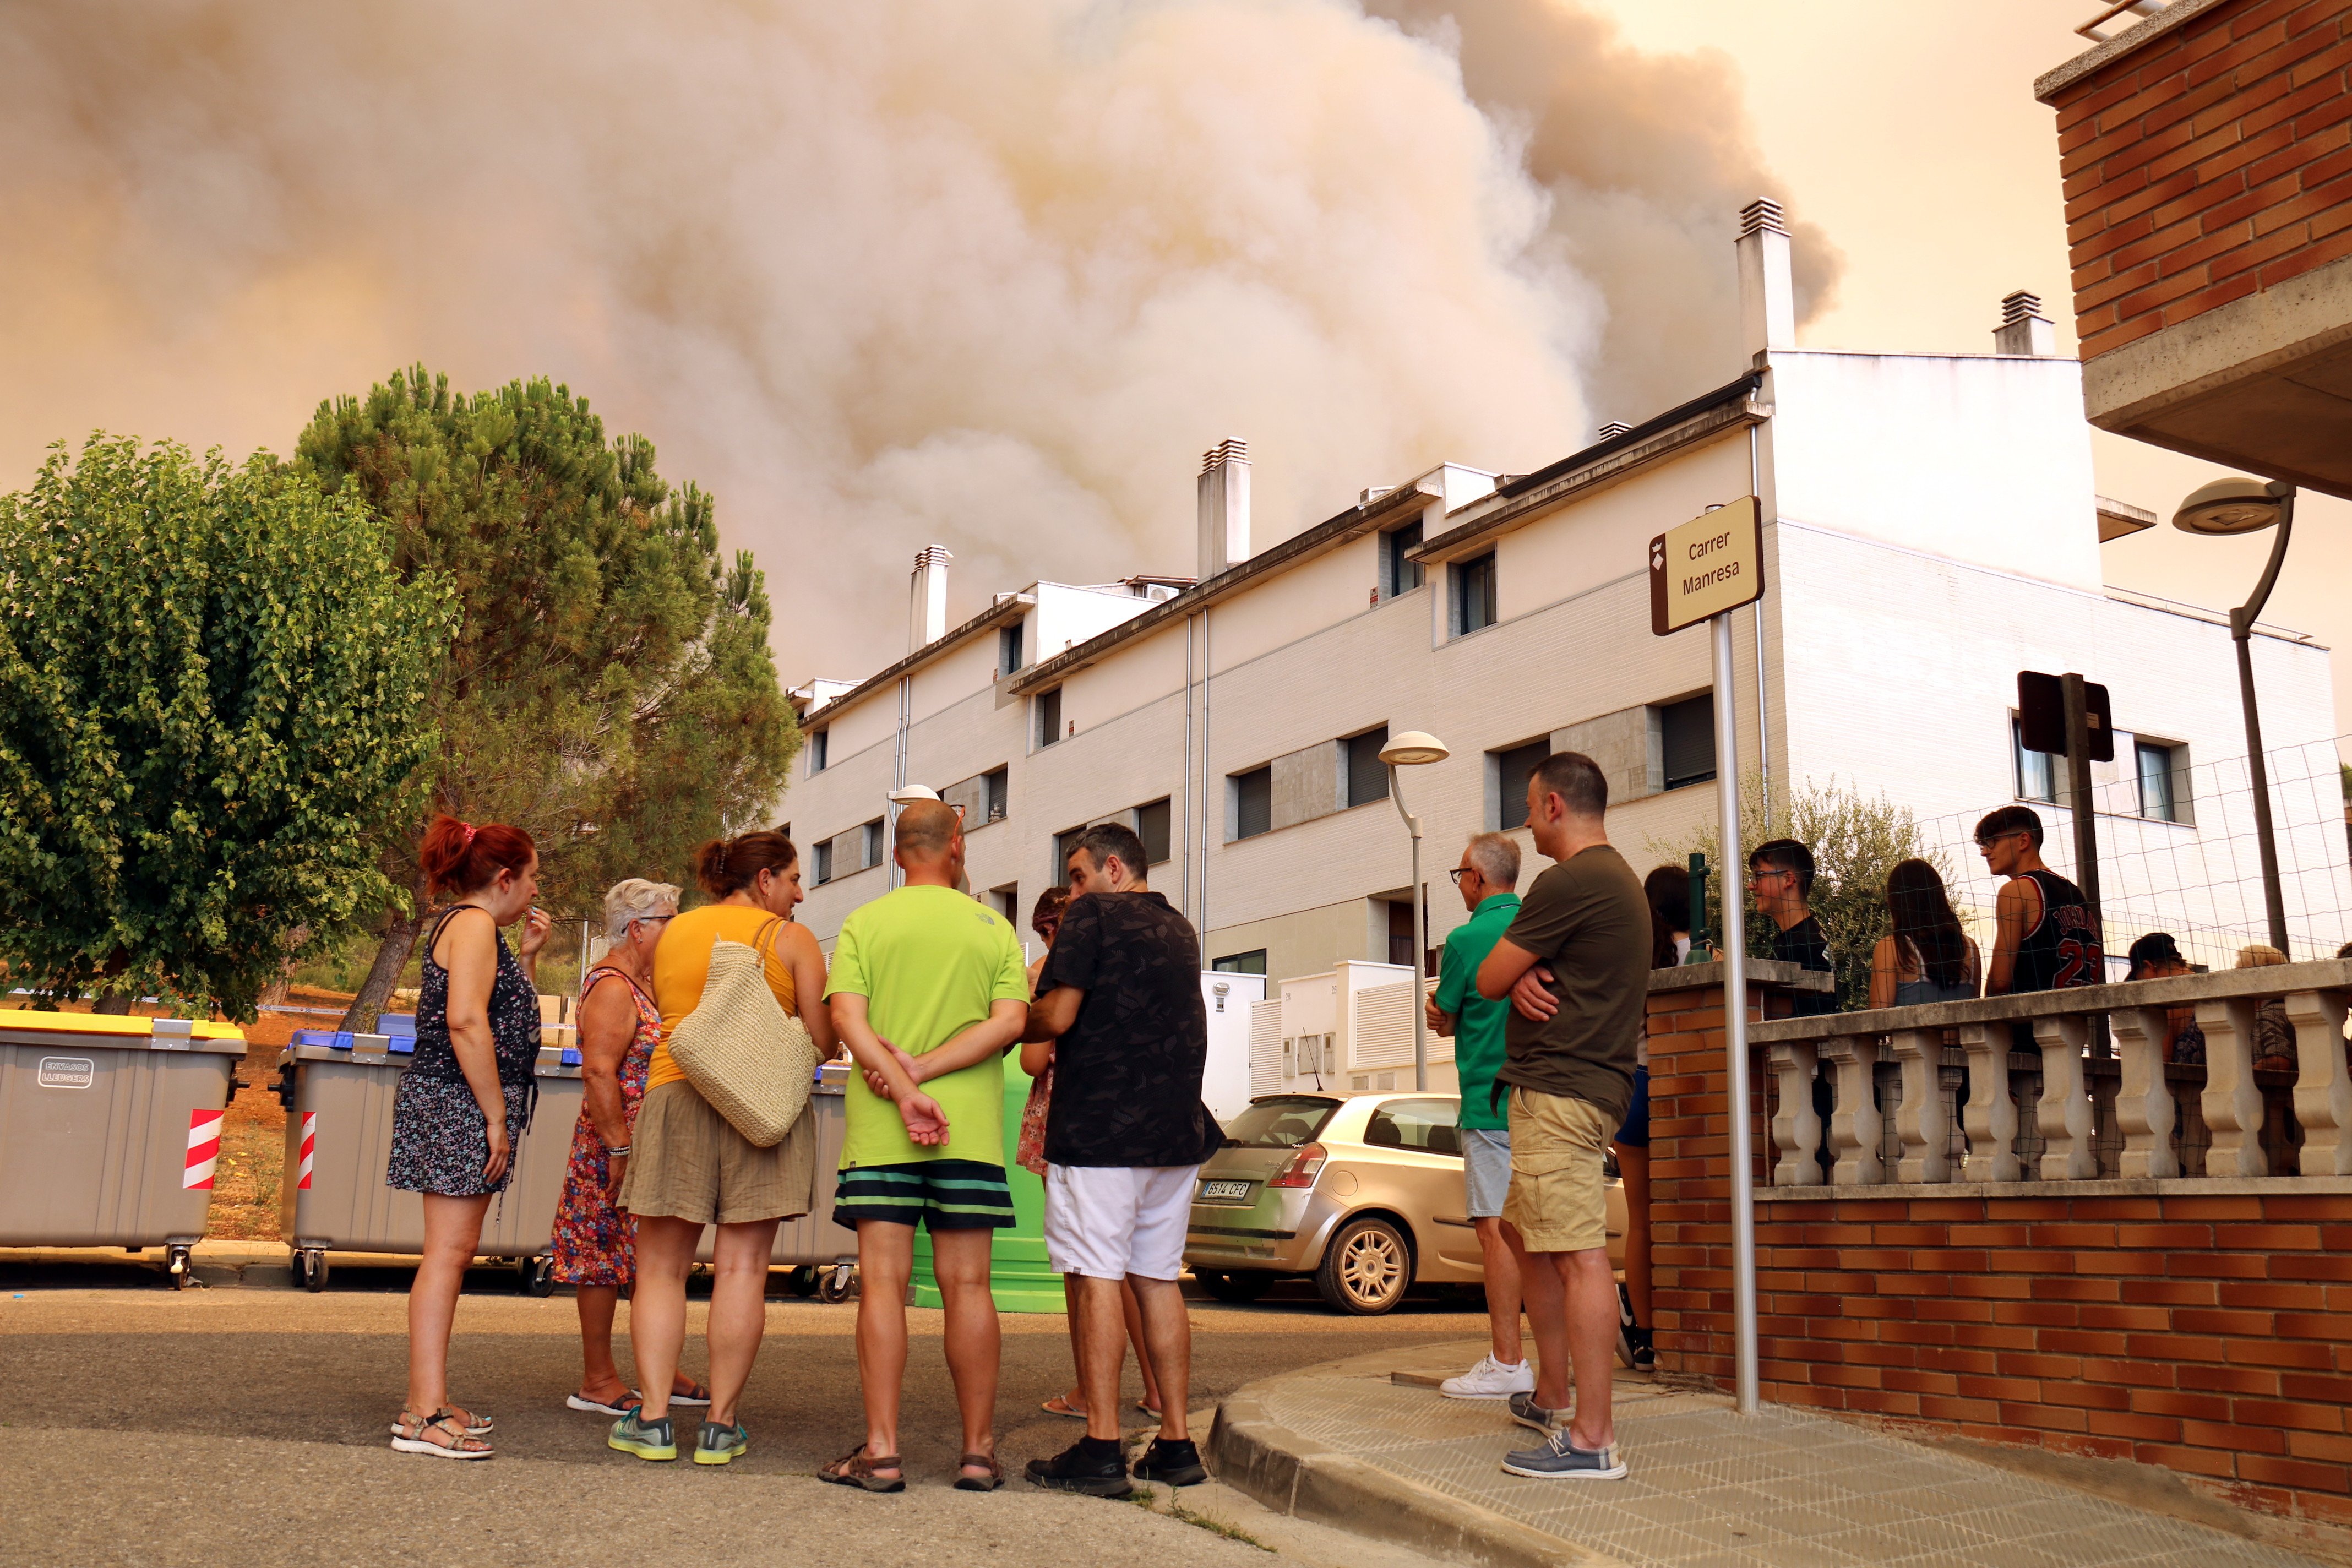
[{"x": 31, "y": 1026}]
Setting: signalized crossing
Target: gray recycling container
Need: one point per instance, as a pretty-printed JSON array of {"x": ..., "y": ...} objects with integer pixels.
[
  {"x": 108, "y": 1125},
  {"x": 338, "y": 1102}
]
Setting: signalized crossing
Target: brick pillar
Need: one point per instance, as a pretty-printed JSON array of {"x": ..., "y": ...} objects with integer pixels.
[{"x": 1690, "y": 1159}]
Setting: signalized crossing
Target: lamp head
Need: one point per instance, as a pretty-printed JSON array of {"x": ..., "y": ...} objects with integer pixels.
[
  {"x": 2234, "y": 505},
  {"x": 1413, "y": 748}
]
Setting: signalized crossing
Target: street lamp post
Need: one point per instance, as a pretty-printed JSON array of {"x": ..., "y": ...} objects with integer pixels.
[
  {"x": 1415, "y": 748},
  {"x": 2248, "y": 506}
]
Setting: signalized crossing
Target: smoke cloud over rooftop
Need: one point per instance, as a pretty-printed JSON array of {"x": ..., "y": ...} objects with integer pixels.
[{"x": 884, "y": 274}]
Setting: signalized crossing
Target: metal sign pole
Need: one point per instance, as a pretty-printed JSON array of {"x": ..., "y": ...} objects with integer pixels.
[{"x": 1733, "y": 933}]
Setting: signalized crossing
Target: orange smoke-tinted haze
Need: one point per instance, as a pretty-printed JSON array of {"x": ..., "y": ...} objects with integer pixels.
[{"x": 893, "y": 274}]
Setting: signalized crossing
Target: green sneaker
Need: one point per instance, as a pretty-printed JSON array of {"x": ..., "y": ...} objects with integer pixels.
[
  {"x": 716, "y": 1445},
  {"x": 646, "y": 1439}
]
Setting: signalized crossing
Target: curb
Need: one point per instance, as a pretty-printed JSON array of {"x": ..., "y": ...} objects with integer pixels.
[{"x": 1297, "y": 1476}]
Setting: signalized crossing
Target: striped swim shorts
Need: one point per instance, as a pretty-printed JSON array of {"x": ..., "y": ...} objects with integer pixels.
[{"x": 945, "y": 1194}]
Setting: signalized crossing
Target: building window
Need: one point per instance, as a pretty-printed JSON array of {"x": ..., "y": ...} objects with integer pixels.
[
  {"x": 1064, "y": 842},
  {"x": 1512, "y": 770},
  {"x": 1006, "y": 901},
  {"x": 1473, "y": 595},
  {"x": 1049, "y": 717},
  {"x": 873, "y": 843},
  {"x": 997, "y": 795},
  {"x": 1008, "y": 650},
  {"x": 1251, "y": 962},
  {"x": 2163, "y": 782},
  {"x": 817, "y": 748},
  {"x": 1253, "y": 797},
  {"x": 824, "y": 863},
  {"x": 1151, "y": 824},
  {"x": 1367, "y": 776},
  {"x": 2036, "y": 780},
  {"x": 1398, "y": 575},
  {"x": 1687, "y": 741}
]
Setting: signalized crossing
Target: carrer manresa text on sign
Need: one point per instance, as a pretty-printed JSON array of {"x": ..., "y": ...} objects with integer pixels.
[{"x": 1711, "y": 563}]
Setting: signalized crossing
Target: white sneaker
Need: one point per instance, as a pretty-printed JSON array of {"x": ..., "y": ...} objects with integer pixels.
[{"x": 1490, "y": 1379}]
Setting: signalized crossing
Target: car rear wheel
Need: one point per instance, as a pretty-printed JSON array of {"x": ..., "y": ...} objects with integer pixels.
[
  {"x": 1242, "y": 1285},
  {"x": 1366, "y": 1269}
]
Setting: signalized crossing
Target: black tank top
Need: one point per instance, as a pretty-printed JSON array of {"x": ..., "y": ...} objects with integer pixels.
[{"x": 2061, "y": 949}]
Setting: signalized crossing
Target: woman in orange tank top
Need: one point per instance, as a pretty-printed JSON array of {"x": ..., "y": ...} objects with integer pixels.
[{"x": 690, "y": 1168}]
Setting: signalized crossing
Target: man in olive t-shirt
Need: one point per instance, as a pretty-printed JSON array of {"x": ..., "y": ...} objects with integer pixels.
[{"x": 1576, "y": 965}]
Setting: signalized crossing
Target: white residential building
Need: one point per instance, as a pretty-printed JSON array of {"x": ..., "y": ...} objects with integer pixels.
[{"x": 1931, "y": 529}]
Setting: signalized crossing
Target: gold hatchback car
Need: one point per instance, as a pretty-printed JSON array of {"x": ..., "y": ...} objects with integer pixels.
[{"x": 1361, "y": 1193}]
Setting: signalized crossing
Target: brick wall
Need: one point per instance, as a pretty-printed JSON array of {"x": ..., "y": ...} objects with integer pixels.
[
  {"x": 2209, "y": 1332},
  {"x": 2211, "y": 161}
]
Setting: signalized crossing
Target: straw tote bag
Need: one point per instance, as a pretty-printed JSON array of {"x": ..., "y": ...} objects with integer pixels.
[{"x": 740, "y": 1050}]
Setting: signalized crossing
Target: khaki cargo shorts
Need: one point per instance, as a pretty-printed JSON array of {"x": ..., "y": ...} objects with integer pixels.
[
  {"x": 688, "y": 1163},
  {"x": 1558, "y": 1199}
]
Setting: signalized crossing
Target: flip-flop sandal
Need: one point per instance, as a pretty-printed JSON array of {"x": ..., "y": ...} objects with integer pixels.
[
  {"x": 696, "y": 1393},
  {"x": 408, "y": 1437},
  {"x": 475, "y": 1425},
  {"x": 857, "y": 1467},
  {"x": 1059, "y": 1405},
  {"x": 995, "y": 1478},
  {"x": 1147, "y": 1410},
  {"x": 629, "y": 1401}
]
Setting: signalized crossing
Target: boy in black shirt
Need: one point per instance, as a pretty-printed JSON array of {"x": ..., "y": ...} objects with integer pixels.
[{"x": 1781, "y": 876}]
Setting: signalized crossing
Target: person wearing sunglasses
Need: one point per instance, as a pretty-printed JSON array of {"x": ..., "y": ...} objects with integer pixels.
[{"x": 2044, "y": 936}]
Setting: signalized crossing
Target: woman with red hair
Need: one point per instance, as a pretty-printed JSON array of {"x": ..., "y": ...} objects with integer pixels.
[{"x": 466, "y": 1098}]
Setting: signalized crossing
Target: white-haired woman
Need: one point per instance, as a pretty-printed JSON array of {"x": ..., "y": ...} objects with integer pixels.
[{"x": 594, "y": 1243}]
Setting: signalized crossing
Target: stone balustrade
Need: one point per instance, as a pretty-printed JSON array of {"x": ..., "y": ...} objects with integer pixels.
[{"x": 2062, "y": 1086}]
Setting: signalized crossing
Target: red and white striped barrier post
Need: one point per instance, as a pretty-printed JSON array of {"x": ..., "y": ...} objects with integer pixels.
[
  {"x": 203, "y": 1149},
  {"x": 310, "y": 1147}
]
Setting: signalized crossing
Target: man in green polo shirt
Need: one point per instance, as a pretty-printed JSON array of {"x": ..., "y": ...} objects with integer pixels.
[
  {"x": 1489, "y": 870},
  {"x": 928, "y": 991}
]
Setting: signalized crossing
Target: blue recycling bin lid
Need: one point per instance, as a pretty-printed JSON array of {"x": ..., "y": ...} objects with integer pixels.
[
  {"x": 402, "y": 1044},
  {"x": 396, "y": 1024},
  {"x": 571, "y": 1057}
]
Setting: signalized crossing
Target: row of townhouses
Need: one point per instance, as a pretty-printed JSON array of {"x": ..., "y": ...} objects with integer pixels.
[{"x": 1931, "y": 528}]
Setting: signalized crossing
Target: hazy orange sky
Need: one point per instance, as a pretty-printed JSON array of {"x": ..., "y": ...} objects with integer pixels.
[{"x": 1912, "y": 136}]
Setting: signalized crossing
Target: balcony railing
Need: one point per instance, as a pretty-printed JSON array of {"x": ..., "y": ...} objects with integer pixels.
[{"x": 2062, "y": 1086}]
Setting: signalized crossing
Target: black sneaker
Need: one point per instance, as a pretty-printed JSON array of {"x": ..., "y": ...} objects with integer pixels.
[
  {"x": 1095, "y": 1466},
  {"x": 1646, "y": 1355},
  {"x": 1175, "y": 1464},
  {"x": 1536, "y": 1417},
  {"x": 1628, "y": 1331}
]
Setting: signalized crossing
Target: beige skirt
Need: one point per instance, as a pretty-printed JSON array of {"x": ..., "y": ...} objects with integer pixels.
[{"x": 686, "y": 1162}]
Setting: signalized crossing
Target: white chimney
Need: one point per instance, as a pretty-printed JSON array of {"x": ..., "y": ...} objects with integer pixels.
[
  {"x": 1767, "y": 301},
  {"x": 1610, "y": 431},
  {"x": 2023, "y": 329},
  {"x": 927, "y": 620},
  {"x": 1224, "y": 493}
]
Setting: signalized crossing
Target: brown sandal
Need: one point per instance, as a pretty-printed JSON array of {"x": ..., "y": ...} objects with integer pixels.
[
  {"x": 978, "y": 1462},
  {"x": 857, "y": 1467},
  {"x": 409, "y": 1437}
]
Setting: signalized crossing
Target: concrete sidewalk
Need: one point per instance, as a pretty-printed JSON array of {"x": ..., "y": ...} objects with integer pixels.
[{"x": 1366, "y": 1444}]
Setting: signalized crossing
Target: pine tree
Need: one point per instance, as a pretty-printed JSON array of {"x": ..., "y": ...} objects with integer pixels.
[{"x": 609, "y": 689}]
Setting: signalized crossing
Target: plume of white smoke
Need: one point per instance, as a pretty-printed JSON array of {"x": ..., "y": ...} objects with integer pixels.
[{"x": 877, "y": 275}]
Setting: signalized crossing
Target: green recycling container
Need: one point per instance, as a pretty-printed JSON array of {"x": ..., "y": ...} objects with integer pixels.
[{"x": 1018, "y": 1274}]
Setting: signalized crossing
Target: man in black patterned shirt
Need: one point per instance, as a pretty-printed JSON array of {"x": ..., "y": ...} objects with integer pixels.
[{"x": 1119, "y": 998}]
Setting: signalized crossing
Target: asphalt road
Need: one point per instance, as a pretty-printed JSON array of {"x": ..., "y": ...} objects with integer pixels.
[{"x": 247, "y": 1427}]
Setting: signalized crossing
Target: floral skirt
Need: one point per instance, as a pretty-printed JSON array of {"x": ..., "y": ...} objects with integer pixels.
[
  {"x": 593, "y": 1243},
  {"x": 440, "y": 1141}
]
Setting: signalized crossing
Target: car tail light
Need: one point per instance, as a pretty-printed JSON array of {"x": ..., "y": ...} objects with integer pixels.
[{"x": 1305, "y": 1165}]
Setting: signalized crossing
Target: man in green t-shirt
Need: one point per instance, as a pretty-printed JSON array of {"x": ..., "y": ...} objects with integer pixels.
[
  {"x": 929, "y": 990},
  {"x": 1489, "y": 870}
]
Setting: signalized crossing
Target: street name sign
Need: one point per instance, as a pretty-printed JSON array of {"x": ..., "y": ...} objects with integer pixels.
[{"x": 1701, "y": 568}]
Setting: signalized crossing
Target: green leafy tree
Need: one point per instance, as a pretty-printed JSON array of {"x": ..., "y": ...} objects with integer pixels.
[
  {"x": 212, "y": 707},
  {"x": 1855, "y": 839},
  {"x": 610, "y": 688}
]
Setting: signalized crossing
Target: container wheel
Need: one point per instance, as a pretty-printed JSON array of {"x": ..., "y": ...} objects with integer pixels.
[
  {"x": 1366, "y": 1267},
  {"x": 837, "y": 1284},
  {"x": 315, "y": 1276},
  {"x": 801, "y": 1282},
  {"x": 297, "y": 1268},
  {"x": 176, "y": 1266},
  {"x": 538, "y": 1275}
]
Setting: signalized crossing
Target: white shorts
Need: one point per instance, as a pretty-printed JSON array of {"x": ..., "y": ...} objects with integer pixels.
[{"x": 1108, "y": 1222}]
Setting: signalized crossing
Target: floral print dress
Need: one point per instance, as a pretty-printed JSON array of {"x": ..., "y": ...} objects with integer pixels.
[{"x": 594, "y": 1243}]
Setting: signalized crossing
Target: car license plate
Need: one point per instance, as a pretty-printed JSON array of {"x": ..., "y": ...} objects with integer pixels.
[{"x": 1231, "y": 1191}]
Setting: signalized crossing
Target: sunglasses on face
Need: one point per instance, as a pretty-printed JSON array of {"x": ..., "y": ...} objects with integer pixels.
[
  {"x": 1459, "y": 872},
  {"x": 1989, "y": 843}
]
